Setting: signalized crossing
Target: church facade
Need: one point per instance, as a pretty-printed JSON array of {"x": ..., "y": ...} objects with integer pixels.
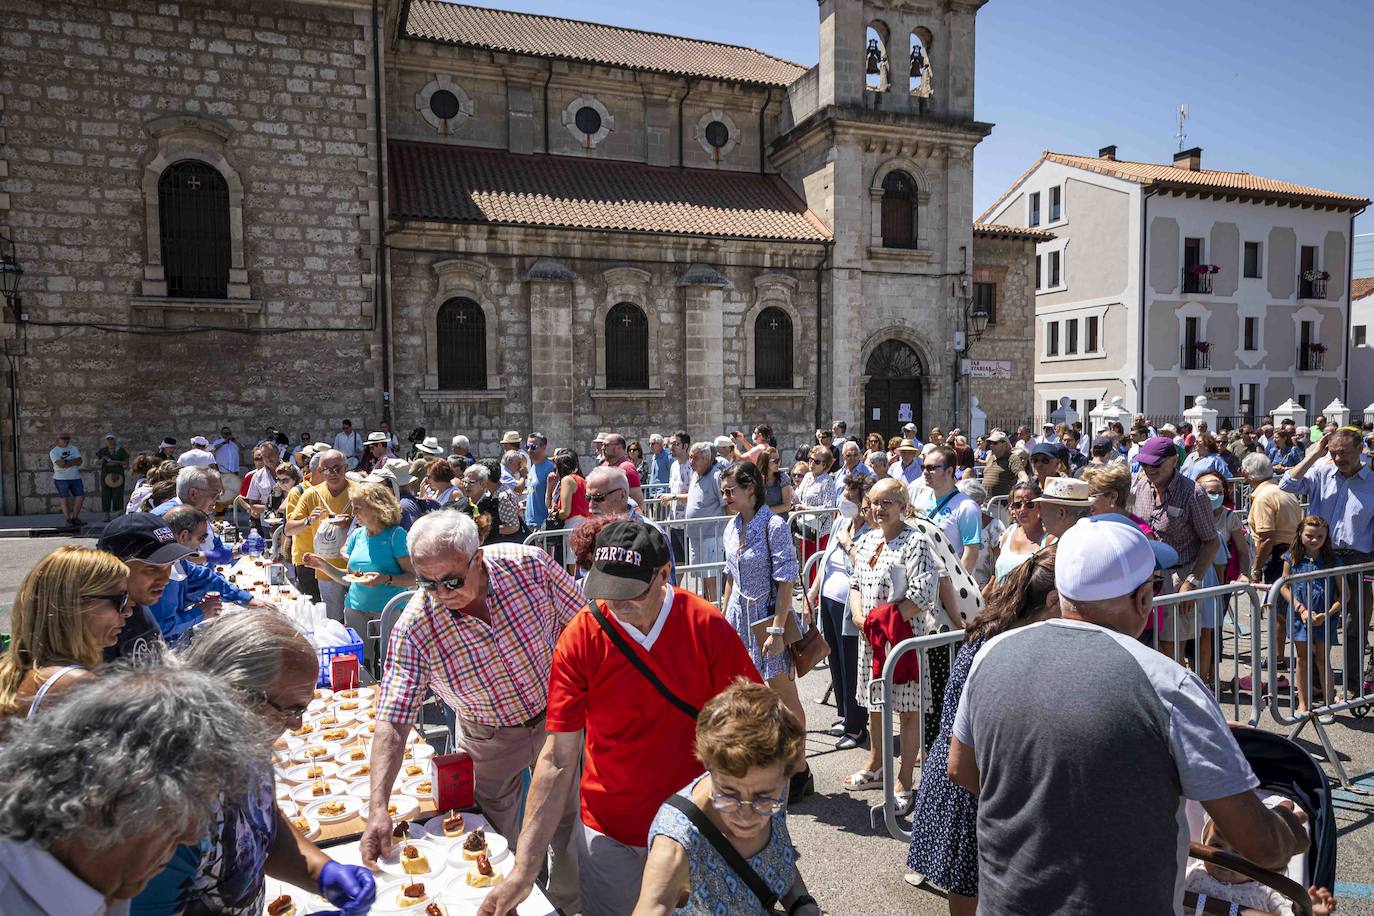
[{"x": 475, "y": 220}]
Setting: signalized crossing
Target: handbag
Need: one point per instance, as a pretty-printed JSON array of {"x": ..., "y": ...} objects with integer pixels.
[
  {"x": 738, "y": 864},
  {"x": 807, "y": 649},
  {"x": 640, "y": 665}
]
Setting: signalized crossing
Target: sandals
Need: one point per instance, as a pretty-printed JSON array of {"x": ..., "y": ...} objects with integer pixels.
[
  {"x": 863, "y": 780},
  {"x": 906, "y": 803}
]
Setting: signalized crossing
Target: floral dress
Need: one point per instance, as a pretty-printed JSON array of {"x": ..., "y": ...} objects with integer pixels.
[
  {"x": 888, "y": 571},
  {"x": 716, "y": 889},
  {"x": 747, "y": 564}
]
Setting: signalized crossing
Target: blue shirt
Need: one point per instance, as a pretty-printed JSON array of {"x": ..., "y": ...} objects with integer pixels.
[
  {"x": 1195, "y": 467},
  {"x": 1347, "y": 503},
  {"x": 909, "y": 474},
  {"x": 860, "y": 470},
  {"x": 536, "y": 492},
  {"x": 661, "y": 467},
  {"x": 374, "y": 553},
  {"x": 176, "y": 611},
  {"x": 959, "y": 517}
]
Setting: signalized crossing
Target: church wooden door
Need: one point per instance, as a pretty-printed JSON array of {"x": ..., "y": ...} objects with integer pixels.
[{"x": 892, "y": 395}]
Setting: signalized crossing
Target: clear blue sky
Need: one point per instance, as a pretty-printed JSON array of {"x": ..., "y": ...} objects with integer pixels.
[{"x": 1278, "y": 89}]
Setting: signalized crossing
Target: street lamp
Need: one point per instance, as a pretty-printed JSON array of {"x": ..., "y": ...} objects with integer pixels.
[
  {"x": 10, "y": 271},
  {"x": 976, "y": 319}
]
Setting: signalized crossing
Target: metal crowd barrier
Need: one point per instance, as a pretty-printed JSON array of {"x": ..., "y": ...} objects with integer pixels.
[
  {"x": 1351, "y": 586},
  {"x": 1231, "y": 604},
  {"x": 996, "y": 507},
  {"x": 880, "y": 692}
]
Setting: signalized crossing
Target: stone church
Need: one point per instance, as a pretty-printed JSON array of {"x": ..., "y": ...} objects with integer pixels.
[{"x": 475, "y": 220}]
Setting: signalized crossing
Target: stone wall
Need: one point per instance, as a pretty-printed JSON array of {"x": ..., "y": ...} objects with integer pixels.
[
  {"x": 1009, "y": 263},
  {"x": 283, "y": 92}
]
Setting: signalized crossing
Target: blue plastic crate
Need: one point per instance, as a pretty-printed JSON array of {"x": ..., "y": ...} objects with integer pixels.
[{"x": 329, "y": 653}]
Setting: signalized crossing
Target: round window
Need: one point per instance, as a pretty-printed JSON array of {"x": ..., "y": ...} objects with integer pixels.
[
  {"x": 444, "y": 105},
  {"x": 717, "y": 134},
  {"x": 588, "y": 120}
]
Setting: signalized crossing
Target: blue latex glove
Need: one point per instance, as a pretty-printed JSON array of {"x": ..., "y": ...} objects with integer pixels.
[{"x": 349, "y": 887}]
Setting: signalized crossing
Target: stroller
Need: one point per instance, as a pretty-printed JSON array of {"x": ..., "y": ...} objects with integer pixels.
[{"x": 1283, "y": 769}]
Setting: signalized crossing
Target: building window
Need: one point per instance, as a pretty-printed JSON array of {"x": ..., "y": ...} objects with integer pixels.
[
  {"x": 1359, "y": 332},
  {"x": 1310, "y": 284},
  {"x": 1253, "y": 253},
  {"x": 1089, "y": 405},
  {"x": 985, "y": 299},
  {"x": 1248, "y": 396},
  {"x": 1188, "y": 401},
  {"x": 627, "y": 347},
  {"x": 899, "y": 211},
  {"x": 1034, "y": 214},
  {"x": 1305, "y": 402},
  {"x": 1252, "y": 334},
  {"x": 1055, "y": 258},
  {"x": 193, "y": 211},
  {"x": 462, "y": 350},
  {"x": 773, "y": 349},
  {"x": 1056, "y": 203},
  {"x": 1071, "y": 337},
  {"x": 1090, "y": 334},
  {"x": 1052, "y": 339},
  {"x": 1038, "y": 283}
]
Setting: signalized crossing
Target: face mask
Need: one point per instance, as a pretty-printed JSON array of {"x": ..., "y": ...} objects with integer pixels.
[
  {"x": 1217, "y": 499},
  {"x": 848, "y": 508}
]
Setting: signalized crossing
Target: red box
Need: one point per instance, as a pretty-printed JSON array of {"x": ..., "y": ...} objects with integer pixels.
[
  {"x": 455, "y": 781},
  {"x": 343, "y": 672}
]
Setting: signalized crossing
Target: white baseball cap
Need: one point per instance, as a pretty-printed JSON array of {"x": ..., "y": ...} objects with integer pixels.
[
  {"x": 1098, "y": 562},
  {"x": 200, "y": 441}
]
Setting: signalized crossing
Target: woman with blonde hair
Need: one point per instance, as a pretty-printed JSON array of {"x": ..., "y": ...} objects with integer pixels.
[
  {"x": 378, "y": 561},
  {"x": 70, "y": 608}
]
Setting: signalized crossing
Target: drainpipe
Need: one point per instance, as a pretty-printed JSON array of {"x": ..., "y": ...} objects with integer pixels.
[
  {"x": 820, "y": 351},
  {"x": 762, "y": 147},
  {"x": 382, "y": 311},
  {"x": 1349, "y": 318},
  {"x": 548, "y": 79},
  {"x": 689, "y": 84},
  {"x": 1144, "y": 265}
]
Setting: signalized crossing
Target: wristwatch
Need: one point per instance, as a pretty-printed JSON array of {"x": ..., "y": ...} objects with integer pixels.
[
  {"x": 1193, "y": 580},
  {"x": 776, "y": 631}
]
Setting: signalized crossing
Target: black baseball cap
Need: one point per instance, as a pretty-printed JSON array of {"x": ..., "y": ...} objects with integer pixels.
[
  {"x": 625, "y": 558},
  {"x": 140, "y": 536}
]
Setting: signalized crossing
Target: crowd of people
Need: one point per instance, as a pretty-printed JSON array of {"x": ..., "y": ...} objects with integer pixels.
[{"x": 636, "y": 729}]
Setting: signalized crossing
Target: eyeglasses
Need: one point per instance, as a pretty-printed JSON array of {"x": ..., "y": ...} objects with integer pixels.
[
  {"x": 601, "y": 497},
  {"x": 762, "y": 805},
  {"x": 290, "y": 712},
  {"x": 1150, "y": 467},
  {"x": 452, "y": 583},
  {"x": 818, "y": 461},
  {"x": 934, "y": 467},
  {"x": 1024, "y": 504},
  {"x": 120, "y": 601},
  {"x": 1096, "y": 495},
  {"x": 334, "y": 468},
  {"x": 888, "y": 503}
]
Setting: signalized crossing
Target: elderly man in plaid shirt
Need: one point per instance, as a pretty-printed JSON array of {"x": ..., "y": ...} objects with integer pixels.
[{"x": 480, "y": 633}]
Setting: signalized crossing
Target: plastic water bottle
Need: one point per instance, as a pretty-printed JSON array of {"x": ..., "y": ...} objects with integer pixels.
[{"x": 254, "y": 545}]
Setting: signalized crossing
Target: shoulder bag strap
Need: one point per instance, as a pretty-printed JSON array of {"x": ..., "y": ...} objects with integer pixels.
[
  {"x": 639, "y": 665},
  {"x": 944, "y": 502},
  {"x": 38, "y": 698},
  {"x": 729, "y": 853}
]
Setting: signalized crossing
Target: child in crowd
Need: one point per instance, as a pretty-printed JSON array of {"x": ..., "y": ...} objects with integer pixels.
[
  {"x": 1314, "y": 605},
  {"x": 1223, "y": 884}
]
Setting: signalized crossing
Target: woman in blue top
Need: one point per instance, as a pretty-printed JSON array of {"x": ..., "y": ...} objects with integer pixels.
[
  {"x": 1284, "y": 453},
  {"x": 760, "y": 570},
  {"x": 1204, "y": 458},
  {"x": 378, "y": 562},
  {"x": 748, "y": 741}
]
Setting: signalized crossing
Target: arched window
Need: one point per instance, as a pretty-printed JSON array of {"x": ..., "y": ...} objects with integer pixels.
[
  {"x": 462, "y": 350},
  {"x": 193, "y": 208},
  {"x": 627, "y": 347},
  {"x": 773, "y": 349},
  {"x": 899, "y": 211}
]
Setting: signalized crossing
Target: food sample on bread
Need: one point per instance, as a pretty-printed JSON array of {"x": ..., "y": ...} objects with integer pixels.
[
  {"x": 454, "y": 825},
  {"x": 475, "y": 845},
  {"x": 481, "y": 874},
  {"x": 413, "y": 861},
  {"x": 412, "y": 895},
  {"x": 282, "y": 906}
]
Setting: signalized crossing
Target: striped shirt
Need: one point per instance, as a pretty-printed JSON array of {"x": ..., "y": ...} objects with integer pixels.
[{"x": 495, "y": 674}]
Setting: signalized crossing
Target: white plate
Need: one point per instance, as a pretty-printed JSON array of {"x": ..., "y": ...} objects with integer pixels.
[
  {"x": 417, "y": 752},
  {"x": 412, "y": 788},
  {"x": 437, "y": 856},
  {"x": 303, "y": 793},
  {"x": 354, "y": 706},
  {"x": 458, "y": 885},
  {"x": 471, "y": 821},
  {"x": 287, "y": 742},
  {"x": 282, "y": 791},
  {"x": 355, "y": 693},
  {"x": 305, "y": 902},
  {"x": 317, "y": 706},
  {"x": 351, "y": 807},
  {"x": 389, "y": 891},
  {"x": 342, "y": 717},
  {"x": 301, "y": 772},
  {"x": 426, "y": 769},
  {"x": 288, "y": 807},
  {"x": 337, "y": 736},
  {"x": 497, "y": 847},
  {"x": 308, "y": 753},
  {"x": 312, "y": 829},
  {"x": 323, "y": 693},
  {"x": 360, "y": 789},
  {"x": 354, "y": 772},
  {"x": 344, "y": 755},
  {"x": 406, "y": 808}
]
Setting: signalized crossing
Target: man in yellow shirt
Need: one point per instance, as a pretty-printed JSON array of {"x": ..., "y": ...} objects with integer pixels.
[{"x": 328, "y": 503}]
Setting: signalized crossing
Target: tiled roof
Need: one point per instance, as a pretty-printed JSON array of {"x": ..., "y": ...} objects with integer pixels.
[
  {"x": 1361, "y": 287},
  {"x": 431, "y": 181},
  {"x": 1011, "y": 232},
  {"x": 1206, "y": 181},
  {"x": 590, "y": 42}
]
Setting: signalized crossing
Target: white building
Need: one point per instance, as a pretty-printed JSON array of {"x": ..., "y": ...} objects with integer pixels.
[
  {"x": 1361, "y": 345},
  {"x": 1168, "y": 281}
]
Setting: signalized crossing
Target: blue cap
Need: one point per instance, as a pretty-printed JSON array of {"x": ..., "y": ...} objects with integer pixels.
[
  {"x": 1046, "y": 448},
  {"x": 1165, "y": 556}
]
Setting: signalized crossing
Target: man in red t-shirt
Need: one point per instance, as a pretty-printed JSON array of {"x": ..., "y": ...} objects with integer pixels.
[
  {"x": 614, "y": 449},
  {"x": 639, "y": 738}
]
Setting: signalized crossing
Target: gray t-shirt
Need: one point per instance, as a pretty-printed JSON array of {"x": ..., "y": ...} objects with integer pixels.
[{"x": 1087, "y": 744}]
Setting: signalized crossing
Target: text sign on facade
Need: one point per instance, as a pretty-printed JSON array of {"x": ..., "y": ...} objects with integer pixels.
[
  {"x": 1218, "y": 392},
  {"x": 990, "y": 368}
]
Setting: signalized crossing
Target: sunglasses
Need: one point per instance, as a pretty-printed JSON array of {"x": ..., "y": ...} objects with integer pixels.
[
  {"x": 1042, "y": 459},
  {"x": 935, "y": 467},
  {"x": 452, "y": 583},
  {"x": 120, "y": 601},
  {"x": 819, "y": 461},
  {"x": 601, "y": 497},
  {"x": 1024, "y": 504}
]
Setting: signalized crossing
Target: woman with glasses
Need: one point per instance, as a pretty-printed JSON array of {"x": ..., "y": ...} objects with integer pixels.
[
  {"x": 1285, "y": 453},
  {"x": 1109, "y": 493},
  {"x": 1025, "y": 536},
  {"x": 69, "y": 609},
  {"x": 749, "y": 742},
  {"x": 1046, "y": 461},
  {"x": 634, "y": 451},
  {"x": 261, "y": 659},
  {"x": 777, "y": 483},
  {"x": 819, "y": 489},
  {"x": 760, "y": 569}
]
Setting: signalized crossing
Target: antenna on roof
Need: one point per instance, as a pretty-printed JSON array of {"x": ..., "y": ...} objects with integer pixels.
[{"x": 1182, "y": 116}]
